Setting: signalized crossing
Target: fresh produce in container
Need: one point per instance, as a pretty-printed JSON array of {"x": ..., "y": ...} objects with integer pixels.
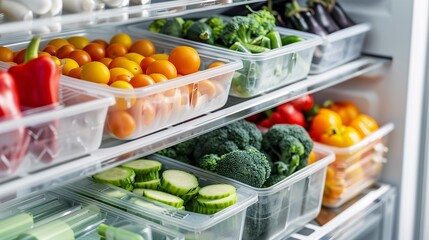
[
  {"x": 176, "y": 188},
  {"x": 303, "y": 19}
]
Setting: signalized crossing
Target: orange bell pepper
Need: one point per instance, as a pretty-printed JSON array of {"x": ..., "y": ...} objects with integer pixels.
[
  {"x": 324, "y": 120},
  {"x": 347, "y": 110},
  {"x": 364, "y": 124},
  {"x": 343, "y": 136}
]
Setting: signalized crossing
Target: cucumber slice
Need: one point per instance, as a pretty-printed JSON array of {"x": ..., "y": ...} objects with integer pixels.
[
  {"x": 129, "y": 187},
  {"x": 138, "y": 191},
  {"x": 217, "y": 191},
  {"x": 143, "y": 166},
  {"x": 147, "y": 177},
  {"x": 204, "y": 210},
  {"x": 164, "y": 198},
  {"x": 148, "y": 185},
  {"x": 117, "y": 233},
  {"x": 121, "y": 177},
  {"x": 217, "y": 203},
  {"x": 190, "y": 195},
  {"x": 116, "y": 193},
  {"x": 178, "y": 182}
]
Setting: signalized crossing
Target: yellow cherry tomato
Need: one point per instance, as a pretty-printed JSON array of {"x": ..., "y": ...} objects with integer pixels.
[
  {"x": 117, "y": 71},
  {"x": 123, "y": 103},
  {"x": 135, "y": 57},
  {"x": 78, "y": 41},
  {"x": 95, "y": 72},
  {"x": 131, "y": 66},
  {"x": 56, "y": 60},
  {"x": 123, "y": 38},
  {"x": 159, "y": 56},
  {"x": 58, "y": 42},
  {"x": 69, "y": 64}
]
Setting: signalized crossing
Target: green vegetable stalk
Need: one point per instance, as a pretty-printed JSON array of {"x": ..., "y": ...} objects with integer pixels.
[{"x": 114, "y": 233}]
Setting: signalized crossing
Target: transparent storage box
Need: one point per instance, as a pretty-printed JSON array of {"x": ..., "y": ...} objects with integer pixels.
[
  {"x": 355, "y": 168},
  {"x": 59, "y": 214},
  {"x": 158, "y": 106},
  {"x": 264, "y": 71},
  {"x": 339, "y": 47},
  {"x": 226, "y": 224},
  {"x": 53, "y": 134}
]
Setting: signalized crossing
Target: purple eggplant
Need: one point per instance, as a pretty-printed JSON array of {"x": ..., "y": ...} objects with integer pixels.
[
  {"x": 302, "y": 19},
  {"x": 322, "y": 16},
  {"x": 340, "y": 16}
]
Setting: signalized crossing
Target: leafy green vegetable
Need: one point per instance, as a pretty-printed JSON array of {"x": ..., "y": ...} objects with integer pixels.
[
  {"x": 217, "y": 25},
  {"x": 262, "y": 21},
  {"x": 156, "y": 25},
  {"x": 238, "y": 29}
]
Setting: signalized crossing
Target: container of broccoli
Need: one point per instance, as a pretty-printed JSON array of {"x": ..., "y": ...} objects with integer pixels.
[{"x": 270, "y": 58}]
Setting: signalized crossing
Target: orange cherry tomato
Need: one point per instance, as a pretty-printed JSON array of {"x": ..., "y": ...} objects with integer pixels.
[
  {"x": 6, "y": 55},
  {"x": 158, "y": 77},
  {"x": 164, "y": 67},
  {"x": 95, "y": 50},
  {"x": 102, "y": 42},
  {"x": 106, "y": 61},
  {"x": 141, "y": 80},
  {"x": 80, "y": 56},
  {"x": 64, "y": 51},
  {"x": 216, "y": 64},
  {"x": 20, "y": 56},
  {"x": 146, "y": 62},
  {"x": 75, "y": 72},
  {"x": 116, "y": 50},
  {"x": 143, "y": 47},
  {"x": 39, "y": 54},
  {"x": 186, "y": 59},
  {"x": 115, "y": 62},
  {"x": 51, "y": 50},
  {"x": 207, "y": 87},
  {"x": 121, "y": 124},
  {"x": 69, "y": 64},
  {"x": 122, "y": 38}
]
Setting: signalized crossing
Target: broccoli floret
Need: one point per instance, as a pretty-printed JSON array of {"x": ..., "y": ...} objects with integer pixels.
[
  {"x": 217, "y": 25},
  {"x": 289, "y": 144},
  {"x": 209, "y": 162},
  {"x": 255, "y": 135},
  {"x": 263, "y": 21},
  {"x": 168, "y": 152},
  {"x": 185, "y": 148},
  {"x": 238, "y": 29},
  {"x": 156, "y": 25},
  {"x": 247, "y": 166},
  {"x": 273, "y": 179}
]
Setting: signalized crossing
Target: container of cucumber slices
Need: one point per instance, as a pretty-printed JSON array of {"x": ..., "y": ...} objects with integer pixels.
[
  {"x": 63, "y": 215},
  {"x": 183, "y": 198}
]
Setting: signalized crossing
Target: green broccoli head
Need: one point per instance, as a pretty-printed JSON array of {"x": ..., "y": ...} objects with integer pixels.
[
  {"x": 185, "y": 148},
  {"x": 217, "y": 25},
  {"x": 247, "y": 166},
  {"x": 238, "y": 29},
  {"x": 289, "y": 144},
  {"x": 156, "y": 25},
  {"x": 255, "y": 135},
  {"x": 273, "y": 179},
  {"x": 168, "y": 152},
  {"x": 263, "y": 21},
  {"x": 209, "y": 162}
]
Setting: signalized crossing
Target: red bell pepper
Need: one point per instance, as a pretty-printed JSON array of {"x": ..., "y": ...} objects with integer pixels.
[
  {"x": 290, "y": 115},
  {"x": 303, "y": 103},
  {"x": 37, "y": 79},
  {"x": 266, "y": 123},
  {"x": 13, "y": 143}
]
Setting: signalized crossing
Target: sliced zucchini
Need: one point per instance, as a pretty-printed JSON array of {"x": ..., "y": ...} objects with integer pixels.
[
  {"x": 190, "y": 195},
  {"x": 118, "y": 176},
  {"x": 147, "y": 177},
  {"x": 217, "y": 203},
  {"x": 143, "y": 166},
  {"x": 178, "y": 182},
  {"x": 217, "y": 191},
  {"x": 164, "y": 197},
  {"x": 148, "y": 185},
  {"x": 138, "y": 191}
]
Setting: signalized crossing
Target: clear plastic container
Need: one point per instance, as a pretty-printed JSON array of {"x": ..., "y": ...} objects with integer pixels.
[
  {"x": 59, "y": 214},
  {"x": 53, "y": 134},
  {"x": 226, "y": 224},
  {"x": 355, "y": 168},
  {"x": 264, "y": 71},
  {"x": 158, "y": 106},
  {"x": 339, "y": 47}
]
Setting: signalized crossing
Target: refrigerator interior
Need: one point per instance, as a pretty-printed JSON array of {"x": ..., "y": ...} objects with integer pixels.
[{"x": 398, "y": 32}]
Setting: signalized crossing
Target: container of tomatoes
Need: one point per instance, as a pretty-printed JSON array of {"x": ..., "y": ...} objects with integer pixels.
[
  {"x": 356, "y": 138},
  {"x": 156, "y": 83}
]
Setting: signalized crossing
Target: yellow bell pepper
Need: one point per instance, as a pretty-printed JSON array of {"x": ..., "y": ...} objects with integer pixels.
[
  {"x": 364, "y": 124},
  {"x": 342, "y": 136}
]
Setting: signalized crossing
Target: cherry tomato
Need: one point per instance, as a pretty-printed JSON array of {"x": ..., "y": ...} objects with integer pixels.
[
  {"x": 141, "y": 80},
  {"x": 117, "y": 71},
  {"x": 106, "y": 61},
  {"x": 135, "y": 57},
  {"x": 80, "y": 56},
  {"x": 58, "y": 42},
  {"x": 146, "y": 62},
  {"x": 69, "y": 64},
  {"x": 158, "y": 77},
  {"x": 75, "y": 72},
  {"x": 39, "y": 54},
  {"x": 64, "y": 51},
  {"x": 116, "y": 50},
  {"x": 123, "y": 103},
  {"x": 102, "y": 42},
  {"x": 143, "y": 47},
  {"x": 20, "y": 56},
  {"x": 56, "y": 60},
  {"x": 164, "y": 67},
  {"x": 130, "y": 66},
  {"x": 216, "y": 64},
  {"x": 114, "y": 63},
  {"x": 95, "y": 72},
  {"x": 121, "y": 124},
  {"x": 95, "y": 50},
  {"x": 78, "y": 41},
  {"x": 207, "y": 87},
  {"x": 186, "y": 59},
  {"x": 51, "y": 50},
  {"x": 122, "y": 38},
  {"x": 6, "y": 55},
  {"x": 159, "y": 56}
]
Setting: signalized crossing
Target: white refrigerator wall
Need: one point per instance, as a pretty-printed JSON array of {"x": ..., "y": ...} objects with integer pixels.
[{"x": 398, "y": 31}]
